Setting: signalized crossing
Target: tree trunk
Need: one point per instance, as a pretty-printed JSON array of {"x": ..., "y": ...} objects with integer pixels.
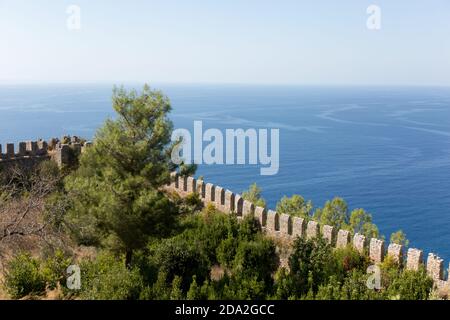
[{"x": 128, "y": 257}]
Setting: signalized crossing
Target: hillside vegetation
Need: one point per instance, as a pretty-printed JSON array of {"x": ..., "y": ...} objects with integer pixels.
[{"x": 111, "y": 216}]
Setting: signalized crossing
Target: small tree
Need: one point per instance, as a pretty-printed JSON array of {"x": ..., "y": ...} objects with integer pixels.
[
  {"x": 334, "y": 213},
  {"x": 253, "y": 194},
  {"x": 23, "y": 276},
  {"x": 361, "y": 222},
  {"x": 295, "y": 206},
  {"x": 411, "y": 285},
  {"x": 310, "y": 265},
  {"x": 399, "y": 237},
  {"x": 117, "y": 185}
]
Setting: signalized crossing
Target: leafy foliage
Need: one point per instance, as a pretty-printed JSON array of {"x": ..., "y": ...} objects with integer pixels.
[
  {"x": 310, "y": 265},
  {"x": 116, "y": 187},
  {"x": 295, "y": 206},
  {"x": 361, "y": 222},
  {"x": 253, "y": 194},
  {"x": 23, "y": 276},
  {"x": 107, "y": 278},
  {"x": 157, "y": 245},
  {"x": 399, "y": 237},
  {"x": 336, "y": 213},
  {"x": 26, "y": 275}
]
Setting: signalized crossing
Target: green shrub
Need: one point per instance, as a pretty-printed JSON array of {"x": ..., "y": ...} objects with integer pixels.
[
  {"x": 310, "y": 265},
  {"x": 253, "y": 194},
  {"x": 180, "y": 257},
  {"x": 295, "y": 206},
  {"x": 411, "y": 285},
  {"x": 207, "y": 231},
  {"x": 194, "y": 290},
  {"x": 256, "y": 258},
  {"x": 354, "y": 287},
  {"x": 177, "y": 292},
  {"x": 399, "y": 237},
  {"x": 282, "y": 289},
  {"x": 107, "y": 278},
  {"x": 226, "y": 252},
  {"x": 348, "y": 259},
  {"x": 23, "y": 276},
  {"x": 248, "y": 229},
  {"x": 160, "y": 290},
  {"x": 241, "y": 287},
  {"x": 54, "y": 269},
  {"x": 193, "y": 201}
]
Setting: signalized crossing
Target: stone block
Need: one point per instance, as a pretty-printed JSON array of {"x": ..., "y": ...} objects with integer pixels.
[
  {"x": 32, "y": 147},
  {"x": 312, "y": 230},
  {"x": 261, "y": 216},
  {"x": 395, "y": 251},
  {"x": 22, "y": 148},
  {"x": 238, "y": 205},
  {"x": 343, "y": 238},
  {"x": 435, "y": 267},
  {"x": 220, "y": 198},
  {"x": 229, "y": 202},
  {"x": 376, "y": 250},
  {"x": 210, "y": 192},
  {"x": 201, "y": 190},
  {"x": 182, "y": 183},
  {"x": 248, "y": 208},
  {"x": 272, "y": 223},
  {"x": 191, "y": 185},
  {"x": 285, "y": 225},
  {"x": 298, "y": 227},
  {"x": 414, "y": 259},
  {"x": 328, "y": 234},
  {"x": 359, "y": 242},
  {"x": 10, "y": 150}
]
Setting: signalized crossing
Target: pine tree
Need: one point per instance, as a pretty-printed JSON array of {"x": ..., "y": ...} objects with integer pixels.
[{"x": 117, "y": 186}]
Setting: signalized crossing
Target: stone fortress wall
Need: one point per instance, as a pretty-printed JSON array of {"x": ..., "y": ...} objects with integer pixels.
[
  {"x": 277, "y": 225},
  {"x": 30, "y": 152},
  {"x": 285, "y": 227}
]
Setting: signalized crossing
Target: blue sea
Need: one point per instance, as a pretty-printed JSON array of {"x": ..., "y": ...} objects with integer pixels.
[{"x": 386, "y": 150}]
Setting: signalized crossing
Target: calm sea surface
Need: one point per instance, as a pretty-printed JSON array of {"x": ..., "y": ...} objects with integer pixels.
[{"x": 383, "y": 149}]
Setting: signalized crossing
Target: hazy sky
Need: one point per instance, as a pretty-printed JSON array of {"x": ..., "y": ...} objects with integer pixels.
[{"x": 228, "y": 41}]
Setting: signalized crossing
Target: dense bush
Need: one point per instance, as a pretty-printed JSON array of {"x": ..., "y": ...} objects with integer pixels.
[
  {"x": 253, "y": 194},
  {"x": 158, "y": 245},
  {"x": 410, "y": 285},
  {"x": 107, "y": 278},
  {"x": 295, "y": 206},
  {"x": 179, "y": 257},
  {"x": 207, "y": 231},
  {"x": 310, "y": 266},
  {"x": 24, "y": 277},
  {"x": 256, "y": 258},
  {"x": 54, "y": 269},
  {"x": 348, "y": 259}
]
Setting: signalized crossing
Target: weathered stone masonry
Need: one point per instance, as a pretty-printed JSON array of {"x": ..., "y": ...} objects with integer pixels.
[
  {"x": 287, "y": 228},
  {"x": 279, "y": 225},
  {"x": 31, "y": 152}
]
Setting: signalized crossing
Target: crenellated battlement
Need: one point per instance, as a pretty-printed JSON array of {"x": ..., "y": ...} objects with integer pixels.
[
  {"x": 287, "y": 228},
  {"x": 61, "y": 151}
]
